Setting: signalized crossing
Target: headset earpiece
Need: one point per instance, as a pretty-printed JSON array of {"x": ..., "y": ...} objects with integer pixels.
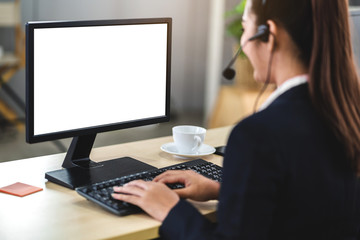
[
  {"x": 265, "y": 32},
  {"x": 262, "y": 34}
]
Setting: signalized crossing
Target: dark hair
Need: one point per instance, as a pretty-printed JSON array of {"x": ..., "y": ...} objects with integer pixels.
[{"x": 320, "y": 29}]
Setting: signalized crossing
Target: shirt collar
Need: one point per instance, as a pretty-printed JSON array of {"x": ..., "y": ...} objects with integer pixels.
[{"x": 288, "y": 84}]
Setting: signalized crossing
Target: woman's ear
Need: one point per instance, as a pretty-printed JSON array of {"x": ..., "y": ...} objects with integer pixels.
[{"x": 273, "y": 32}]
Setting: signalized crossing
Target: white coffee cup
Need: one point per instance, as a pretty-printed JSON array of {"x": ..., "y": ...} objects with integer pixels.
[{"x": 188, "y": 139}]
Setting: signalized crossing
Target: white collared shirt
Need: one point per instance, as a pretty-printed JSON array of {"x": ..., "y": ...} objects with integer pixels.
[{"x": 288, "y": 84}]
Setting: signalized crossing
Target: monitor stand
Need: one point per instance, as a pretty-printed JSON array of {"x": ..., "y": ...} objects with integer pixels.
[{"x": 79, "y": 170}]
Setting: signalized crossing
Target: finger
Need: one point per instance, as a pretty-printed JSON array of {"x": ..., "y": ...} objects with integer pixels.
[
  {"x": 127, "y": 198},
  {"x": 164, "y": 174},
  {"x": 173, "y": 179},
  {"x": 138, "y": 183},
  {"x": 168, "y": 174},
  {"x": 128, "y": 189},
  {"x": 183, "y": 192}
]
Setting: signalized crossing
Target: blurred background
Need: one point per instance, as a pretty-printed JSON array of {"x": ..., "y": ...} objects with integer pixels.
[{"x": 204, "y": 41}]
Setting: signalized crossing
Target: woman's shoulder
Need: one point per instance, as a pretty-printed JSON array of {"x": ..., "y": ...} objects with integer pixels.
[{"x": 291, "y": 110}]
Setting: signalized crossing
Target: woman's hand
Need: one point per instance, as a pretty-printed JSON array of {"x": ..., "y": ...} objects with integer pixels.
[
  {"x": 153, "y": 197},
  {"x": 197, "y": 187}
]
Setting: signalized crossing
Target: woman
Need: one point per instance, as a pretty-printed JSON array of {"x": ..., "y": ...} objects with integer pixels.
[{"x": 290, "y": 170}]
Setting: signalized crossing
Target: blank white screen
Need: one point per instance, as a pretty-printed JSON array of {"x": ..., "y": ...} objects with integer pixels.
[{"x": 98, "y": 75}]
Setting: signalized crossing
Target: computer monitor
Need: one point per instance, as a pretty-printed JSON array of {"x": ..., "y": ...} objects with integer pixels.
[{"x": 87, "y": 77}]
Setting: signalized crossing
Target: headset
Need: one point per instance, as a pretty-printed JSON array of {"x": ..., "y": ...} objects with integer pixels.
[{"x": 262, "y": 34}]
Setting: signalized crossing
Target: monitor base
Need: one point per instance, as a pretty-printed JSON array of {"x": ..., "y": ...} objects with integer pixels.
[{"x": 79, "y": 176}]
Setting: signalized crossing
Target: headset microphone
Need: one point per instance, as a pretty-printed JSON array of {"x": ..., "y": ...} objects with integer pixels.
[
  {"x": 228, "y": 72},
  {"x": 262, "y": 34}
]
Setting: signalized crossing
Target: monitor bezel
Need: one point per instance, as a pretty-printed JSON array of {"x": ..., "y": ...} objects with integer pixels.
[{"x": 31, "y": 26}]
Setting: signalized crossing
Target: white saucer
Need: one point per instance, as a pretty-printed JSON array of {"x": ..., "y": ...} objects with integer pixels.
[{"x": 203, "y": 150}]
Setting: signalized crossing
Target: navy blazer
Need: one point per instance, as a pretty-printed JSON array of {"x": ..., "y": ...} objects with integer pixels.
[{"x": 285, "y": 176}]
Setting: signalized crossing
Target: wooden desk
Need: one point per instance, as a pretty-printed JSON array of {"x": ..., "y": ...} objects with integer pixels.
[{"x": 60, "y": 213}]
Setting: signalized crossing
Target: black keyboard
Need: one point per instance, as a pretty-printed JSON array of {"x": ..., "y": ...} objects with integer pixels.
[{"x": 100, "y": 193}]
